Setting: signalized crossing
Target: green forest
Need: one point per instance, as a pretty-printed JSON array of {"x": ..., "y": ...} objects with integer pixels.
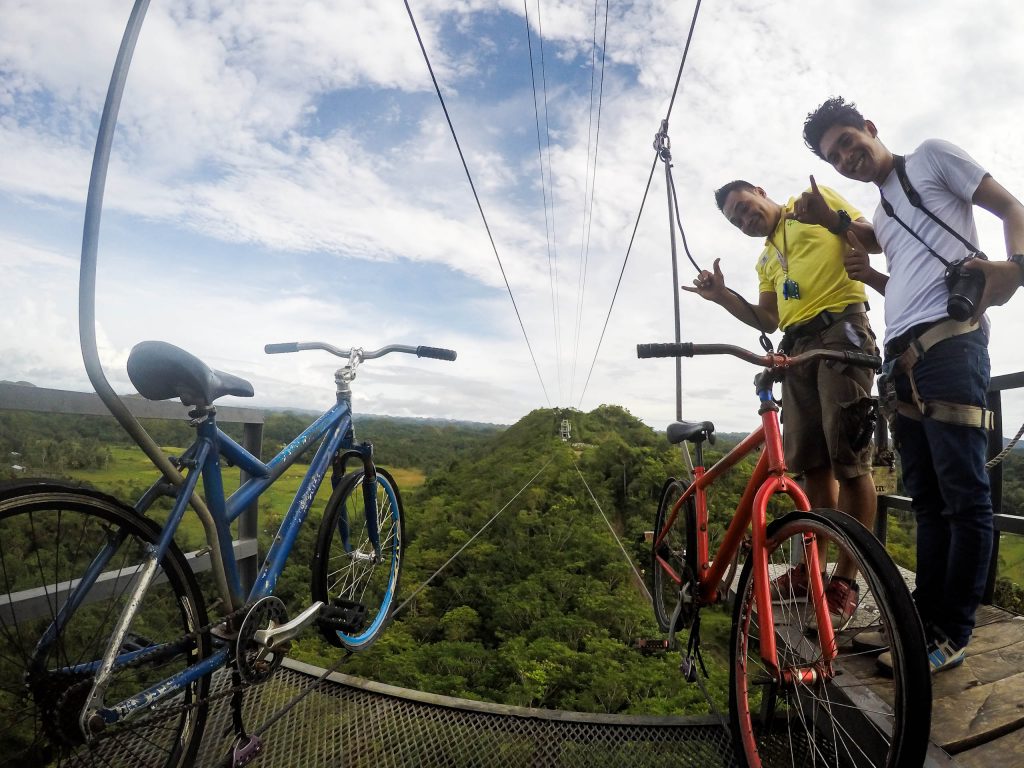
[{"x": 542, "y": 609}]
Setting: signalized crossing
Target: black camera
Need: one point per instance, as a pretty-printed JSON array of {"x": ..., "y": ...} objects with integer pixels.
[{"x": 965, "y": 288}]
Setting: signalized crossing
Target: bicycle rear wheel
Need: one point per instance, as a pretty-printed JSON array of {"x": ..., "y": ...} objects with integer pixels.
[
  {"x": 348, "y": 571},
  {"x": 49, "y": 535},
  {"x": 852, "y": 716},
  {"x": 673, "y": 554}
]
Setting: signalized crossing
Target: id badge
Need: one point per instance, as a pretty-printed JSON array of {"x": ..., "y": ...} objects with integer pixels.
[{"x": 790, "y": 289}]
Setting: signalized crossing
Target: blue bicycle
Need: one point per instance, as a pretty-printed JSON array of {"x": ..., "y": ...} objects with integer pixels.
[{"x": 107, "y": 647}]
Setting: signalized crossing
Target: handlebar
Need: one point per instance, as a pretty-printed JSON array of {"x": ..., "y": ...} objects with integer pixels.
[
  {"x": 421, "y": 351},
  {"x": 774, "y": 360}
]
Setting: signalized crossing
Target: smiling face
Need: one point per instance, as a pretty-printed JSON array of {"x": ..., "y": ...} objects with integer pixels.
[
  {"x": 750, "y": 211},
  {"x": 856, "y": 152}
]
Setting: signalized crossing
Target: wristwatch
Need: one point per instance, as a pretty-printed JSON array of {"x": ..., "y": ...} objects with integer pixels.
[
  {"x": 1018, "y": 259},
  {"x": 844, "y": 223}
]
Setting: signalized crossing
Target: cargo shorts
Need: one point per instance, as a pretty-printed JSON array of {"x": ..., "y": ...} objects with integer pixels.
[{"x": 827, "y": 408}]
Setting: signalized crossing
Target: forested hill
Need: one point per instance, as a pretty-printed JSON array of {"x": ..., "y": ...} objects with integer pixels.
[{"x": 542, "y": 609}]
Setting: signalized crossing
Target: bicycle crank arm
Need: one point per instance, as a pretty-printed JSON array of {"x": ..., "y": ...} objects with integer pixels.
[{"x": 273, "y": 637}]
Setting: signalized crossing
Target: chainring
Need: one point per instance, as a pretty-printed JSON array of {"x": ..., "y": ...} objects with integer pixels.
[{"x": 255, "y": 663}]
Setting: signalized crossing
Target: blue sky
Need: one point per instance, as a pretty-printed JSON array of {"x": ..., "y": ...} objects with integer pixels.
[{"x": 282, "y": 171}]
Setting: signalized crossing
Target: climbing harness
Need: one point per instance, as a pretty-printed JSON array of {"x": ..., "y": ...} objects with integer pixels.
[{"x": 939, "y": 410}]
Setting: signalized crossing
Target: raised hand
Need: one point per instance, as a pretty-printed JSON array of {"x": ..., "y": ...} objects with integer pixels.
[
  {"x": 811, "y": 208},
  {"x": 856, "y": 260},
  {"x": 1002, "y": 278},
  {"x": 709, "y": 285}
]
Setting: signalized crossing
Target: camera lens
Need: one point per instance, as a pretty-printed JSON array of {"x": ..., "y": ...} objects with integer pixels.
[{"x": 959, "y": 308}]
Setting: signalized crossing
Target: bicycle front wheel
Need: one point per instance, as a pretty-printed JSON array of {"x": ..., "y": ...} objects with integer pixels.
[
  {"x": 673, "y": 555},
  {"x": 846, "y": 713},
  {"x": 53, "y": 635},
  {"x": 350, "y": 573}
]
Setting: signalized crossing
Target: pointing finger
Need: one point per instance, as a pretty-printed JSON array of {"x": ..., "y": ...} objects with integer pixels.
[{"x": 814, "y": 185}]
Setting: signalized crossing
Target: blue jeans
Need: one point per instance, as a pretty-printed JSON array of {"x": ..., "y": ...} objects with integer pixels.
[{"x": 944, "y": 474}]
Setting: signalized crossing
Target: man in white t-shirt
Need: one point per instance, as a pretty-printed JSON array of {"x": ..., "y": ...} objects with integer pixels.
[{"x": 936, "y": 352}]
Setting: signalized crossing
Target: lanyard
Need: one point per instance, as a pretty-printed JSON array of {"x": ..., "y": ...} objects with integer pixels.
[{"x": 782, "y": 255}]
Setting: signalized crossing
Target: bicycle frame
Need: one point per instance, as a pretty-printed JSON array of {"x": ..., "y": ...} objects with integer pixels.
[
  {"x": 767, "y": 479},
  {"x": 202, "y": 459}
]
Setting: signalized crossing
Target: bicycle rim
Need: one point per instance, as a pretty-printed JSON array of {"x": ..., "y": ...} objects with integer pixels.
[
  {"x": 352, "y": 570},
  {"x": 851, "y": 716},
  {"x": 47, "y": 539}
]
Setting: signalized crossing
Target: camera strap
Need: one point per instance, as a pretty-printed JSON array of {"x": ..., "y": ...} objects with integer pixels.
[{"x": 900, "y": 164}]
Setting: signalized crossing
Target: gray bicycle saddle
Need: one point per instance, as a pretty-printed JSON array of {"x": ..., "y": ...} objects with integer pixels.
[{"x": 161, "y": 371}]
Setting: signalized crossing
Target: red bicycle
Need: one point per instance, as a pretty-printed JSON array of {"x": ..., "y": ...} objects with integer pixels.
[{"x": 804, "y": 686}]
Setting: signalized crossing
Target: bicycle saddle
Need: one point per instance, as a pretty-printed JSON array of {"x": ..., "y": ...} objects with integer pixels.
[
  {"x": 161, "y": 371},
  {"x": 694, "y": 431}
]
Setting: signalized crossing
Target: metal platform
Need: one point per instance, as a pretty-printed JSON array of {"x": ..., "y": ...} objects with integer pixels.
[{"x": 352, "y": 722}]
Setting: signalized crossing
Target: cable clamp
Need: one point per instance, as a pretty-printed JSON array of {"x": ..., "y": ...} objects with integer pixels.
[{"x": 662, "y": 143}]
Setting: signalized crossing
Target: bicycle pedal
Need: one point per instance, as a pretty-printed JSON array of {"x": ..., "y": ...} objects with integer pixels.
[
  {"x": 650, "y": 646},
  {"x": 689, "y": 669},
  {"x": 244, "y": 750},
  {"x": 342, "y": 615}
]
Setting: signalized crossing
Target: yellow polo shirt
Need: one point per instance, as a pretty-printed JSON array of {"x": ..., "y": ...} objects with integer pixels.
[{"x": 814, "y": 258}]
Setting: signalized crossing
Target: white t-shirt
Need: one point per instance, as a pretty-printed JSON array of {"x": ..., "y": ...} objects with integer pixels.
[{"x": 946, "y": 178}]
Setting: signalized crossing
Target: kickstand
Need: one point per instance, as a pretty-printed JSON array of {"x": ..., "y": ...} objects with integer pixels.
[
  {"x": 693, "y": 657},
  {"x": 245, "y": 747}
]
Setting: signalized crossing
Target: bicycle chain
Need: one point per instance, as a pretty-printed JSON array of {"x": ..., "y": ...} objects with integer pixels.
[{"x": 169, "y": 710}]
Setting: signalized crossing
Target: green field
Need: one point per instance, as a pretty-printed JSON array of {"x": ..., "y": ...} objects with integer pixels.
[{"x": 130, "y": 472}]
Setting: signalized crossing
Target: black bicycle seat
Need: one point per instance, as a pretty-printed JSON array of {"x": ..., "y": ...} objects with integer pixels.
[
  {"x": 161, "y": 371},
  {"x": 694, "y": 431}
]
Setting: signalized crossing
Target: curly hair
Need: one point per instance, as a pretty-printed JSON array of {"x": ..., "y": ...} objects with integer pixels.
[
  {"x": 732, "y": 186},
  {"x": 835, "y": 111}
]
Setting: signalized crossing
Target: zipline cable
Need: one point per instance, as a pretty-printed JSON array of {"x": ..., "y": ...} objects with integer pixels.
[
  {"x": 551, "y": 199},
  {"x": 618, "y": 283},
  {"x": 591, "y": 178},
  {"x": 675, "y": 89},
  {"x": 544, "y": 185},
  {"x": 639, "y": 578},
  {"x": 469, "y": 176},
  {"x": 473, "y": 538}
]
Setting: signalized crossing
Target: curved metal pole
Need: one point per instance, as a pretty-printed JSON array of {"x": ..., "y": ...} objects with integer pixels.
[{"x": 87, "y": 290}]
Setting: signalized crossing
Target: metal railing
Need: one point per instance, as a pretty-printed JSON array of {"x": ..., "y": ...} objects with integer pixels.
[
  {"x": 1004, "y": 523},
  {"x": 21, "y": 397}
]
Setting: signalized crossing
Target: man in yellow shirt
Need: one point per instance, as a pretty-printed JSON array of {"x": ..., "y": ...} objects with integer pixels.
[{"x": 827, "y": 408}]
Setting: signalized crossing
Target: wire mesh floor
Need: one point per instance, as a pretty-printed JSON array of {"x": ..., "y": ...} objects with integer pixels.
[{"x": 352, "y": 722}]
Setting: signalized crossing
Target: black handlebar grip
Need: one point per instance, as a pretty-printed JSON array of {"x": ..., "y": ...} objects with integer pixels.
[
  {"x": 685, "y": 349},
  {"x": 436, "y": 352},
  {"x": 868, "y": 361},
  {"x": 288, "y": 346}
]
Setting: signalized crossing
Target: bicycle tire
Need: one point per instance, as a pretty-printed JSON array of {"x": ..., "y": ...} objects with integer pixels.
[
  {"x": 49, "y": 533},
  {"x": 855, "y": 718},
  {"x": 354, "y": 573},
  {"x": 677, "y": 551}
]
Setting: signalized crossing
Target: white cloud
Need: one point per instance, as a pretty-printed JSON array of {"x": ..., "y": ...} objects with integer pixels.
[{"x": 311, "y": 131}]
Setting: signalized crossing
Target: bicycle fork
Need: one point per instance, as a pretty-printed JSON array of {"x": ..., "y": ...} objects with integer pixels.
[
  {"x": 369, "y": 484},
  {"x": 788, "y": 676}
]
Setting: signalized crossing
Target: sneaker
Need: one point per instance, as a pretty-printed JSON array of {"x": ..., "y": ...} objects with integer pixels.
[
  {"x": 793, "y": 585},
  {"x": 942, "y": 655},
  {"x": 842, "y": 597},
  {"x": 871, "y": 640}
]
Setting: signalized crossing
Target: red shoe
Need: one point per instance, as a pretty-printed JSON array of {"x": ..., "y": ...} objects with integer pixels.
[
  {"x": 792, "y": 586},
  {"x": 843, "y": 597}
]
